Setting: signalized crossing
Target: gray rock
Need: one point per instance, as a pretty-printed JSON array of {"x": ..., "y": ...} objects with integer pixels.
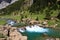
[{"x": 4, "y": 4}]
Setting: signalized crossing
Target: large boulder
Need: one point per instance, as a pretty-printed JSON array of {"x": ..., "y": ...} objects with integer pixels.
[{"x": 5, "y": 3}]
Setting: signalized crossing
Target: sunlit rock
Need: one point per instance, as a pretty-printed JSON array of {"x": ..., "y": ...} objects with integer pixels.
[{"x": 5, "y": 3}]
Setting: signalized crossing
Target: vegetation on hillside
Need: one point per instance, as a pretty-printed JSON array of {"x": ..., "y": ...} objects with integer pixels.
[{"x": 39, "y": 10}]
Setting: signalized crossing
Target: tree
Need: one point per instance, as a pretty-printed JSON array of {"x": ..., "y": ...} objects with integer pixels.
[
  {"x": 58, "y": 16},
  {"x": 48, "y": 14}
]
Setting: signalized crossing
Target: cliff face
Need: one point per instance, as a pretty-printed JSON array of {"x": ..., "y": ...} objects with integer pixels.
[
  {"x": 32, "y": 5},
  {"x": 26, "y": 3},
  {"x": 5, "y": 3}
]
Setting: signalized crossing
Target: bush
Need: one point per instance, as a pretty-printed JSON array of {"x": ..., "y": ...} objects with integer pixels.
[
  {"x": 19, "y": 25},
  {"x": 37, "y": 19},
  {"x": 2, "y": 22},
  {"x": 1, "y": 35},
  {"x": 58, "y": 24}
]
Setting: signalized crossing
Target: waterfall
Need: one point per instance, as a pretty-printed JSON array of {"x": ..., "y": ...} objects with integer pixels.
[{"x": 36, "y": 28}]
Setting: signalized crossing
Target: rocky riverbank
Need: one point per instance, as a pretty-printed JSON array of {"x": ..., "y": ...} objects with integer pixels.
[{"x": 11, "y": 33}]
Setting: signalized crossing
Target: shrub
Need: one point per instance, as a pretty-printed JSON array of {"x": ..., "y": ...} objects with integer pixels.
[
  {"x": 37, "y": 19},
  {"x": 1, "y": 35}
]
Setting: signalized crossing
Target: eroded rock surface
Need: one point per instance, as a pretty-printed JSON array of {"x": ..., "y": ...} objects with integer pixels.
[
  {"x": 4, "y": 4},
  {"x": 13, "y": 33}
]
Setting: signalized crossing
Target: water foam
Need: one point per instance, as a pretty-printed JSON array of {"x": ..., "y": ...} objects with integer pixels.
[{"x": 36, "y": 28}]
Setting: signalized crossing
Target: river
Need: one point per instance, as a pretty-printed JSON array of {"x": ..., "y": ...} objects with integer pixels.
[{"x": 39, "y": 35}]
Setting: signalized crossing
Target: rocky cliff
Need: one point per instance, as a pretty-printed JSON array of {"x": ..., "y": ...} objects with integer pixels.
[{"x": 4, "y": 4}]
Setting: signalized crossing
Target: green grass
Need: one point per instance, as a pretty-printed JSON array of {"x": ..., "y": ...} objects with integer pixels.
[
  {"x": 40, "y": 15},
  {"x": 54, "y": 13},
  {"x": 51, "y": 23},
  {"x": 1, "y": 35},
  {"x": 2, "y": 22},
  {"x": 27, "y": 13}
]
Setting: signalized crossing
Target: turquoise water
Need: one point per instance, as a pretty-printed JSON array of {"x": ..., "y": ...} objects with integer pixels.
[
  {"x": 33, "y": 35},
  {"x": 36, "y": 33},
  {"x": 54, "y": 33}
]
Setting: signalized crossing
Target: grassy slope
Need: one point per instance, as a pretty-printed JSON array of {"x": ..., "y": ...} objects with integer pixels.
[
  {"x": 16, "y": 6},
  {"x": 28, "y": 14},
  {"x": 2, "y": 22}
]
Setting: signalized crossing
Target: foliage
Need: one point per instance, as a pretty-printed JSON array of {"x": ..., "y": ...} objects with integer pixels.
[
  {"x": 58, "y": 16},
  {"x": 37, "y": 18},
  {"x": 11, "y": 8},
  {"x": 39, "y": 8},
  {"x": 58, "y": 24},
  {"x": 51, "y": 22},
  {"x": 19, "y": 25},
  {"x": 1, "y": 35},
  {"x": 2, "y": 22}
]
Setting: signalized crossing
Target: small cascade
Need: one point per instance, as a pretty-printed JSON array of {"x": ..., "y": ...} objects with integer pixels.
[{"x": 35, "y": 28}]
